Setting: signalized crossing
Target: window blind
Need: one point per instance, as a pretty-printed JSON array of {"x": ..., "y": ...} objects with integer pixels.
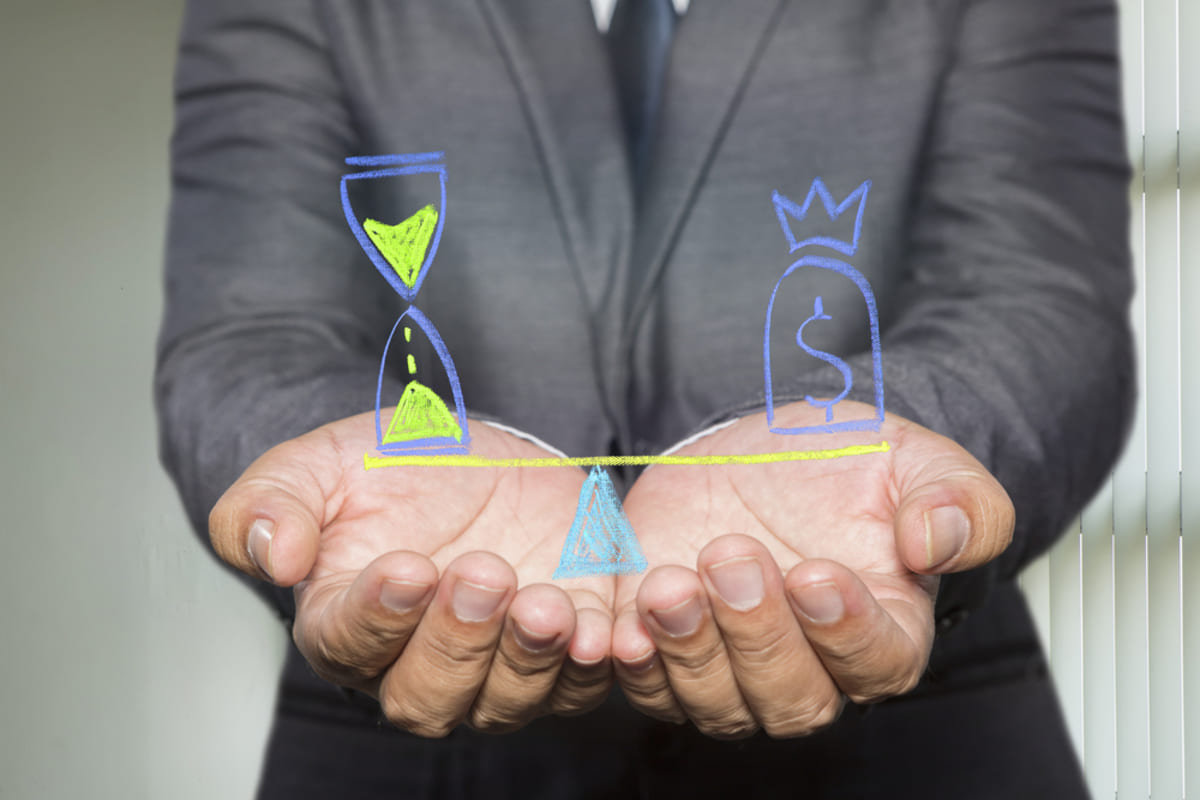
[{"x": 1117, "y": 600}]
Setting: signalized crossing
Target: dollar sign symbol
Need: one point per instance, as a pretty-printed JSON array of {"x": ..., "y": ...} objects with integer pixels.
[{"x": 832, "y": 360}]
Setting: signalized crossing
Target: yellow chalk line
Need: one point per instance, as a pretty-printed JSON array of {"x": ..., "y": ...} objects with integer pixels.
[{"x": 375, "y": 462}]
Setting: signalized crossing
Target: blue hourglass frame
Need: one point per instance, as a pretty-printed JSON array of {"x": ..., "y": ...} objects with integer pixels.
[{"x": 391, "y": 166}]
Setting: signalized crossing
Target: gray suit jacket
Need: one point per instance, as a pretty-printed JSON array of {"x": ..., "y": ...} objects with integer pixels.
[{"x": 994, "y": 234}]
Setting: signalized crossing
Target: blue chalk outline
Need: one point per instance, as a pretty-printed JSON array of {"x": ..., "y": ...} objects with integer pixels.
[
  {"x": 616, "y": 548},
  {"x": 430, "y": 445},
  {"x": 842, "y": 268},
  {"x": 417, "y": 165},
  {"x": 828, "y": 358},
  {"x": 392, "y": 160},
  {"x": 784, "y": 207}
]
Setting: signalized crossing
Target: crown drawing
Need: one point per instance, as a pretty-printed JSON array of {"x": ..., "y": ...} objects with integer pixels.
[{"x": 787, "y": 210}]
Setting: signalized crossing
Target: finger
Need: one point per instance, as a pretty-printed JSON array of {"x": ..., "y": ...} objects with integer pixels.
[
  {"x": 586, "y": 675},
  {"x": 780, "y": 676},
  {"x": 268, "y": 523},
  {"x": 640, "y": 671},
  {"x": 675, "y": 611},
  {"x": 872, "y": 648},
  {"x": 351, "y": 631},
  {"x": 430, "y": 688},
  {"x": 952, "y": 515},
  {"x": 540, "y": 623}
]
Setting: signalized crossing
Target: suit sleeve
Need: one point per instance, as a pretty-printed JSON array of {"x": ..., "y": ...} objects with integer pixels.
[
  {"x": 271, "y": 325},
  {"x": 1012, "y": 336}
]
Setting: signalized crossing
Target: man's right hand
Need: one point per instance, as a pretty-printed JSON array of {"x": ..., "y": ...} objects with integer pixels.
[{"x": 424, "y": 586}]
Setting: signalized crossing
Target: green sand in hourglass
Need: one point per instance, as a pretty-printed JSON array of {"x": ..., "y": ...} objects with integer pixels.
[
  {"x": 404, "y": 244},
  {"x": 420, "y": 413}
]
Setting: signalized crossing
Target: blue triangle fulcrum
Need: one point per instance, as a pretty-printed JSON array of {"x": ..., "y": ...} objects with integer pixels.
[{"x": 601, "y": 541}]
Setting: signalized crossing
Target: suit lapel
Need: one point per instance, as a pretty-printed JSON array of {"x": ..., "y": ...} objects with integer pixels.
[
  {"x": 560, "y": 66},
  {"x": 716, "y": 48}
]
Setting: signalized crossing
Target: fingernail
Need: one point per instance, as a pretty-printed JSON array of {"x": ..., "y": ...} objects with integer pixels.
[
  {"x": 258, "y": 544},
  {"x": 475, "y": 603},
  {"x": 533, "y": 642},
  {"x": 946, "y": 530},
  {"x": 820, "y": 602},
  {"x": 400, "y": 596},
  {"x": 739, "y": 581},
  {"x": 680, "y": 619}
]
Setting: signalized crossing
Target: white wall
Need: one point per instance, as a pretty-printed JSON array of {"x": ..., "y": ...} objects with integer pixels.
[{"x": 130, "y": 665}]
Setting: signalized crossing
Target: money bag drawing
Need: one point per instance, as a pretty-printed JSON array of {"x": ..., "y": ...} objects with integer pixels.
[
  {"x": 422, "y": 422},
  {"x": 814, "y": 286}
]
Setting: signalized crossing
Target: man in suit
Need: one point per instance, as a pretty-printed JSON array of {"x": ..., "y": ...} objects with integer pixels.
[{"x": 605, "y": 294}]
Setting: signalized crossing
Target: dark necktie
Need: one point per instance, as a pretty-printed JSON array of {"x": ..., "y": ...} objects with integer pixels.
[{"x": 639, "y": 39}]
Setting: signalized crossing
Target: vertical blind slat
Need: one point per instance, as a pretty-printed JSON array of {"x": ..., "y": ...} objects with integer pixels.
[
  {"x": 1099, "y": 657},
  {"x": 1189, "y": 173},
  {"x": 1066, "y": 643},
  {"x": 1129, "y": 477},
  {"x": 1162, "y": 400}
]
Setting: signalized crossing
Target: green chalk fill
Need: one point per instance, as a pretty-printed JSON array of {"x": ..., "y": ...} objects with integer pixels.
[
  {"x": 404, "y": 244},
  {"x": 421, "y": 414}
]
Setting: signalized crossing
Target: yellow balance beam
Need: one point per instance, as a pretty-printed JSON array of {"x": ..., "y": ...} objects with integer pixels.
[{"x": 375, "y": 462}]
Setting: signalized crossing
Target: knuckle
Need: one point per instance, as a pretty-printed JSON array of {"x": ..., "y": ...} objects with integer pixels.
[
  {"x": 578, "y": 694},
  {"x": 806, "y": 720},
  {"x": 522, "y": 668},
  {"x": 454, "y": 655},
  {"x": 336, "y": 662},
  {"x": 859, "y": 654},
  {"x": 828, "y": 713},
  {"x": 656, "y": 703},
  {"x": 762, "y": 648},
  {"x": 699, "y": 659},
  {"x": 999, "y": 516},
  {"x": 326, "y": 671},
  {"x": 909, "y": 682},
  {"x": 898, "y": 684},
  {"x": 221, "y": 531},
  {"x": 729, "y": 726},
  {"x": 572, "y": 705},
  {"x": 1007, "y": 527},
  {"x": 401, "y": 713},
  {"x": 490, "y": 718},
  {"x": 870, "y": 670}
]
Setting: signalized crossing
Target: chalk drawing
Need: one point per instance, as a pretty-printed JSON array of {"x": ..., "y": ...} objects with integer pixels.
[
  {"x": 601, "y": 540},
  {"x": 422, "y": 423},
  {"x": 426, "y": 431},
  {"x": 786, "y": 211}
]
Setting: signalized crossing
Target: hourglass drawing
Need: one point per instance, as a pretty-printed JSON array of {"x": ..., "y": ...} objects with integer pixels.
[{"x": 422, "y": 423}]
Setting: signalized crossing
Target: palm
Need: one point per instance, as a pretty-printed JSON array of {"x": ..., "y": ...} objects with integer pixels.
[
  {"x": 839, "y": 509},
  {"x": 521, "y": 515}
]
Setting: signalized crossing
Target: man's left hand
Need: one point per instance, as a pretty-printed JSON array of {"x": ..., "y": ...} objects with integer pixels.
[{"x": 780, "y": 589}]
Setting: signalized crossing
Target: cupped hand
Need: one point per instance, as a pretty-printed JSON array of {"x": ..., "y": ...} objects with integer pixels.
[
  {"x": 778, "y": 589},
  {"x": 426, "y": 587}
]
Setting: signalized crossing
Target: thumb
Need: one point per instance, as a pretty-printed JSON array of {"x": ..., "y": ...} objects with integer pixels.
[
  {"x": 268, "y": 523},
  {"x": 953, "y": 515}
]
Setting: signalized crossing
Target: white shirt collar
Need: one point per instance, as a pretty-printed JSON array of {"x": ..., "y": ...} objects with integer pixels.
[{"x": 603, "y": 11}]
